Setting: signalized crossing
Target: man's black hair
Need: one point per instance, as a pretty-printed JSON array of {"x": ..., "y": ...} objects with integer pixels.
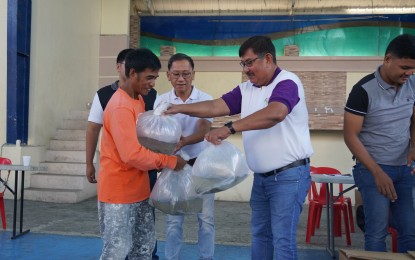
[
  {"x": 180, "y": 56},
  {"x": 403, "y": 46},
  {"x": 140, "y": 60},
  {"x": 121, "y": 56},
  {"x": 260, "y": 45}
]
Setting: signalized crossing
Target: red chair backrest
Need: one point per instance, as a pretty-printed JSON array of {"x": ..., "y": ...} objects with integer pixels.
[
  {"x": 4, "y": 161},
  {"x": 321, "y": 196},
  {"x": 326, "y": 170},
  {"x": 312, "y": 193}
]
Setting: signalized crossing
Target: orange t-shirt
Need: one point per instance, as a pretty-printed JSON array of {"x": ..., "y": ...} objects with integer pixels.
[{"x": 124, "y": 163}]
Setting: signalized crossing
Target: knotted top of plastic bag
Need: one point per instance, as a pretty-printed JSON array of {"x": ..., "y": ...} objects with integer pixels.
[
  {"x": 157, "y": 131},
  {"x": 161, "y": 108}
]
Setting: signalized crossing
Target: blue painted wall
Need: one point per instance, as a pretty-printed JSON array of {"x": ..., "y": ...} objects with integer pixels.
[{"x": 316, "y": 35}]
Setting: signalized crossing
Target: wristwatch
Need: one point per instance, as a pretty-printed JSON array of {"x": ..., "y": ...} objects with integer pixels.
[{"x": 230, "y": 126}]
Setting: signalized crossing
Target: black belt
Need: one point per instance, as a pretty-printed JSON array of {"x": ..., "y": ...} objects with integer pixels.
[{"x": 291, "y": 165}]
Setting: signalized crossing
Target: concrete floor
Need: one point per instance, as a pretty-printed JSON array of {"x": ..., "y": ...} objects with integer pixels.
[{"x": 232, "y": 224}]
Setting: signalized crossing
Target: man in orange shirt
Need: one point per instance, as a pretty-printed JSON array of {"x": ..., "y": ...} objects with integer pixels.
[{"x": 125, "y": 217}]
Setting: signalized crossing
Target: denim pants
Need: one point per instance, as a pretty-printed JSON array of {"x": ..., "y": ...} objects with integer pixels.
[
  {"x": 206, "y": 235},
  {"x": 276, "y": 203},
  {"x": 380, "y": 211},
  {"x": 127, "y": 229}
]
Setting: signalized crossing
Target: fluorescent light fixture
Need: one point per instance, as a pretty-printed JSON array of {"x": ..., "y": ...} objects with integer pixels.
[{"x": 381, "y": 10}]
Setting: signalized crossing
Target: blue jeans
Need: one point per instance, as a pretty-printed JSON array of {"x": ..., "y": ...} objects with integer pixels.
[
  {"x": 276, "y": 203},
  {"x": 376, "y": 207},
  {"x": 206, "y": 239}
]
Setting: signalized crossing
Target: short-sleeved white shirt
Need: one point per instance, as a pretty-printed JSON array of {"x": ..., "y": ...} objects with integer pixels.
[
  {"x": 96, "y": 112},
  {"x": 188, "y": 123},
  {"x": 285, "y": 142}
]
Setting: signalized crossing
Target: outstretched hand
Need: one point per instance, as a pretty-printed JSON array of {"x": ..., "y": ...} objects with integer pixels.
[
  {"x": 216, "y": 136},
  {"x": 182, "y": 142},
  {"x": 172, "y": 110},
  {"x": 180, "y": 163}
]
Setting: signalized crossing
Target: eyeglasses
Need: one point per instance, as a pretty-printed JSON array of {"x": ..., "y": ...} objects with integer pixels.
[
  {"x": 248, "y": 63},
  {"x": 177, "y": 75}
]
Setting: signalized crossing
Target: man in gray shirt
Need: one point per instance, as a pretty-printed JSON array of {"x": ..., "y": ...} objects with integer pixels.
[{"x": 379, "y": 130}]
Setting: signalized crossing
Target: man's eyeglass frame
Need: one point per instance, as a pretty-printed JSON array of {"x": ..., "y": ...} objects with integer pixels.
[
  {"x": 185, "y": 75},
  {"x": 250, "y": 63}
]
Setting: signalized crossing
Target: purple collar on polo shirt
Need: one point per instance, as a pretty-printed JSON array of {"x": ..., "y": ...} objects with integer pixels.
[{"x": 277, "y": 71}]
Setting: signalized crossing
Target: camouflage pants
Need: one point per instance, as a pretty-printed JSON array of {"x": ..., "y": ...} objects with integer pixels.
[{"x": 126, "y": 229}]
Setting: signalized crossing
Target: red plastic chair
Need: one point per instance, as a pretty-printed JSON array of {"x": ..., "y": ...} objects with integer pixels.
[
  {"x": 394, "y": 234},
  {"x": 2, "y": 209},
  {"x": 316, "y": 202},
  {"x": 314, "y": 205},
  {"x": 313, "y": 189}
]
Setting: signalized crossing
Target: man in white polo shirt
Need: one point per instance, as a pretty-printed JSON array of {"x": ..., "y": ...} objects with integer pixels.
[
  {"x": 274, "y": 126},
  {"x": 181, "y": 74}
]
